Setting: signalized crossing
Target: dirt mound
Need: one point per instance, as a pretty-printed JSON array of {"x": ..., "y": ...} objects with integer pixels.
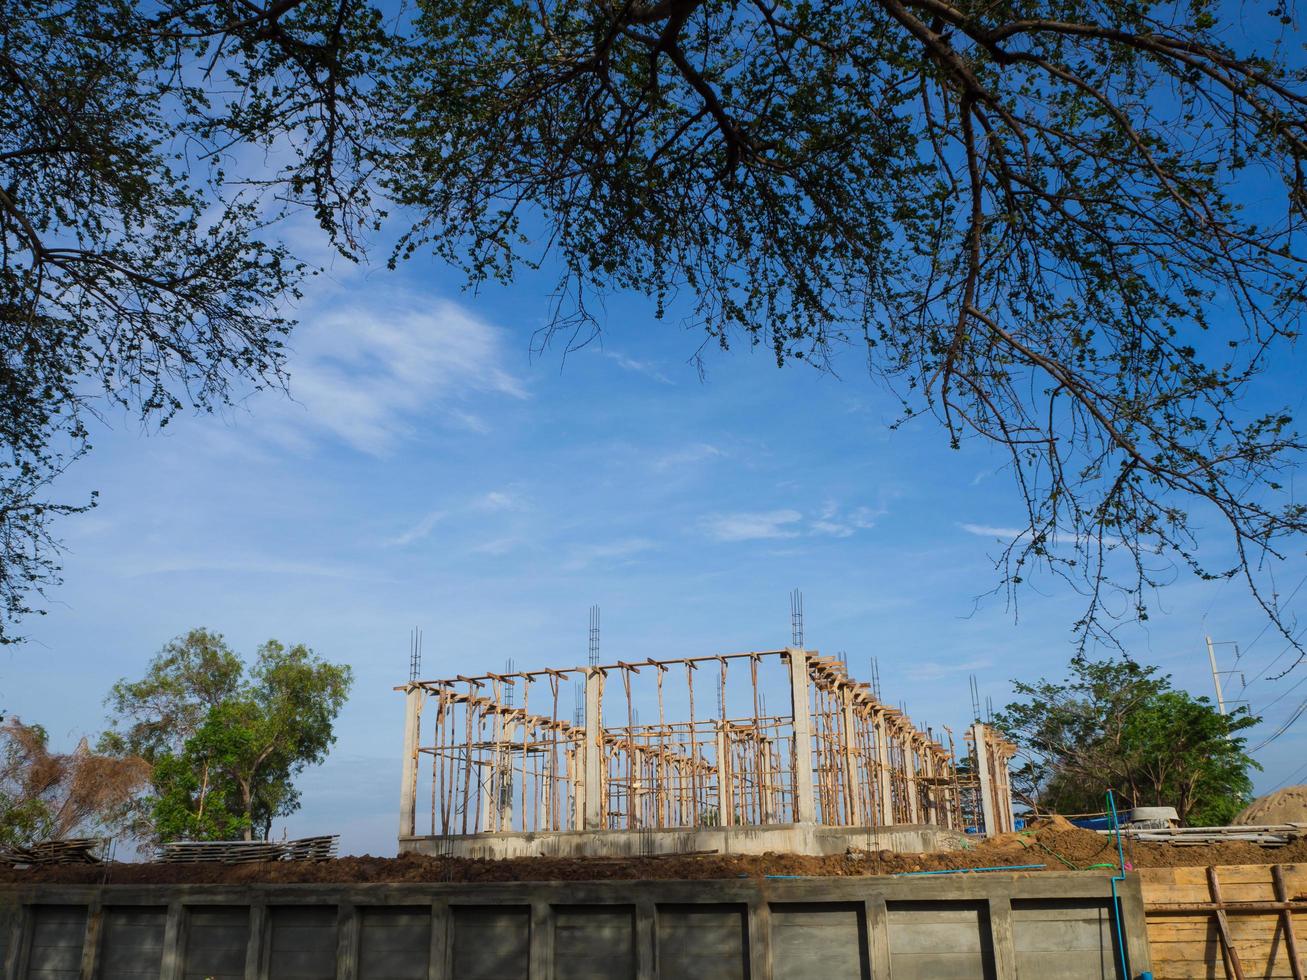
[
  {"x": 1047, "y": 842},
  {"x": 1288, "y": 805}
]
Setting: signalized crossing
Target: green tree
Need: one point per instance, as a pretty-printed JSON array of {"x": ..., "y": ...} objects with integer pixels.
[
  {"x": 1033, "y": 218},
  {"x": 1115, "y": 724},
  {"x": 226, "y": 744}
]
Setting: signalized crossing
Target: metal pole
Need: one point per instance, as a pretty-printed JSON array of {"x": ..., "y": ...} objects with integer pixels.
[{"x": 1216, "y": 676}]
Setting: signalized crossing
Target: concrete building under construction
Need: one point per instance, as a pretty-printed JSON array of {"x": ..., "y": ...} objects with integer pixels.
[{"x": 683, "y": 755}]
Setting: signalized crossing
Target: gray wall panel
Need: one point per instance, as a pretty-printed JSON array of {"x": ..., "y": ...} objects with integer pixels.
[
  {"x": 594, "y": 942},
  {"x": 303, "y": 942},
  {"x": 491, "y": 942},
  {"x": 56, "y": 947},
  {"x": 394, "y": 943},
  {"x": 131, "y": 943},
  {"x": 819, "y": 939},
  {"x": 1069, "y": 940},
  {"x": 707, "y": 942},
  {"x": 216, "y": 941},
  {"x": 940, "y": 941}
]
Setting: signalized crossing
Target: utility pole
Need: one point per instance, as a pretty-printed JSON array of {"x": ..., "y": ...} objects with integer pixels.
[{"x": 1216, "y": 676}]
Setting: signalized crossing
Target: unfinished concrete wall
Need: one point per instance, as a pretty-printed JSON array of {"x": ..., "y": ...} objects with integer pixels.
[{"x": 1050, "y": 926}]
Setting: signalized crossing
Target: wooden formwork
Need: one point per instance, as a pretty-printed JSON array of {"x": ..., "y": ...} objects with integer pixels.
[
  {"x": 507, "y": 753},
  {"x": 1231, "y": 921}
]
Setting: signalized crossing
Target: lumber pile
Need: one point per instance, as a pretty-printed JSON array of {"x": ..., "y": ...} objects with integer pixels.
[
  {"x": 1267, "y": 835},
  {"x": 322, "y": 848},
  {"x": 74, "y": 850},
  {"x": 1231, "y": 921}
]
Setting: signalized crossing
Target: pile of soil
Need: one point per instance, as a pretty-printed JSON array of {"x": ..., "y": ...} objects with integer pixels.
[
  {"x": 1288, "y": 805},
  {"x": 1054, "y": 843}
]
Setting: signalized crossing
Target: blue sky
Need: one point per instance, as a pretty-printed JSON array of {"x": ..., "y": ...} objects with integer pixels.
[{"x": 430, "y": 471}]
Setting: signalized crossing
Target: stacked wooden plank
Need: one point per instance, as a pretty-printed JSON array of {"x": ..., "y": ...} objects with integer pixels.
[
  {"x": 1231, "y": 921},
  {"x": 75, "y": 850},
  {"x": 1267, "y": 835},
  {"x": 321, "y": 848}
]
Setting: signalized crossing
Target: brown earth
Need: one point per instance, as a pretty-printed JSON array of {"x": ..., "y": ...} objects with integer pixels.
[
  {"x": 1053, "y": 843},
  {"x": 1288, "y": 805}
]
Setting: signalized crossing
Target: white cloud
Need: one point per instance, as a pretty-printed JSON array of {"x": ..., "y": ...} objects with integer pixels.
[
  {"x": 418, "y": 531},
  {"x": 498, "y": 500},
  {"x": 834, "y": 523},
  {"x": 648, "y": 369},
  {"x": 364, "y": 376},
  {"x": 989, "y": 531},
  {"x": 696, "y": 452},
  {"x": 753, "y": 526},
  {"x": 607, "y": 553},
  {"x": 933, "y": 670}
]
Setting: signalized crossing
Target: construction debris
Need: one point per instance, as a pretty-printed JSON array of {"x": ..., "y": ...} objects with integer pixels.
[
  {"x": 1265, "y": 835},
  {"x": 247, "y": 852},
  {"x": 75, "y": 850}
]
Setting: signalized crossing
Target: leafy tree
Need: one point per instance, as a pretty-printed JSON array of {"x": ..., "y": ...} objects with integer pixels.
[
  {"x": 1069, "y": 230},
  {"x": 225, "y": 745},
  {"x": 47, "y": 795},
  {"x": 1115, "y": 724}
]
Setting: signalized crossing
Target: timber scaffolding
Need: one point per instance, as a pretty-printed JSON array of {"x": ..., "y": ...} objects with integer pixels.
[{"x": 499, "y": 756}]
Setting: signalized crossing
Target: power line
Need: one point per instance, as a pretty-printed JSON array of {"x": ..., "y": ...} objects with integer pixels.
[
  {"x": 1300, "y": 771},
  {"x": 1283, "y": 728}
]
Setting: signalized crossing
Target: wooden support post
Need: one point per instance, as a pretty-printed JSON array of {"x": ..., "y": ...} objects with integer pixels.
[
  {"x": 592, "y": 784},
  {"x": 856, "y": 818},
  {"x": 1230, "y": 958},
  {"x": 725, "y": 803},
  {"x": 409, "y": 761},
  {"x": 805, "y": 807},
  {"x": 986, "y": 783},
  {"x": 1286, "y": 921}
]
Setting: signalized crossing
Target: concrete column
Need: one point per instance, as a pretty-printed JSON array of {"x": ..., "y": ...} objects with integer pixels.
[
  {"x": 877, "y": 919},
  {"x": 910, "y": 773},
  {"x": 986, "y": 783},
  {"x": 1001, "y": 939},
  {"x": 541, "y": 941},
  {"x": 174, "y": 942},
  {"x": 440, "y": 960},
  {"x": 856, "y": 818},
  {"x": 409, "y": 776},
  {"x": 759, "y": 940},
  {"x": 884, "y": 782},
  {"x": 504, "y": 779},
  {"x": 646, "y": 923},
  {"x": 257, "y": 953},
  {"x": 594, "y": 750},
  {"x": 347, "y": 941},
  {"x": 725, "y": 801},
  {"x": 805, "y": 805},
  {"x": 89, "y": 968}
]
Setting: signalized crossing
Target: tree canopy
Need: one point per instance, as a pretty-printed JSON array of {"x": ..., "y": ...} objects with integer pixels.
[
  {"x": 225, "y": 743},
  {"x": 1073, "y": 231},
  {"x": 1119, "y": 725},
  {"x": 48, "y": 795}
]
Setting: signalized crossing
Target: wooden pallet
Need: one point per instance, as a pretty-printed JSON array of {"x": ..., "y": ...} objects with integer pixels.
[
  {"x": 320, "y": 848},
  {"x": 1265, "y": 835},
  {"x": 75, "y": 850}
]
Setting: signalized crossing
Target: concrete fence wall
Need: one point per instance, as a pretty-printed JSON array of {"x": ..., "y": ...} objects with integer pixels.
[{"x": 1050, "y": 926}]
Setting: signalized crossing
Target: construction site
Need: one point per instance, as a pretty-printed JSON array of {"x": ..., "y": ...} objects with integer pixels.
[
  {"x": 712, "y": 768},
  {"x": 755, "y": 815}
]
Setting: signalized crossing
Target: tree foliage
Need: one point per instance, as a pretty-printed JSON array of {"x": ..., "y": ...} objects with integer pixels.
[
  {"x": 1071, "y": 230},
  {"x": 48, "y": 795},
  {"x": 1115, "y": 724},
  {"x": 226, "y": 744}
]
